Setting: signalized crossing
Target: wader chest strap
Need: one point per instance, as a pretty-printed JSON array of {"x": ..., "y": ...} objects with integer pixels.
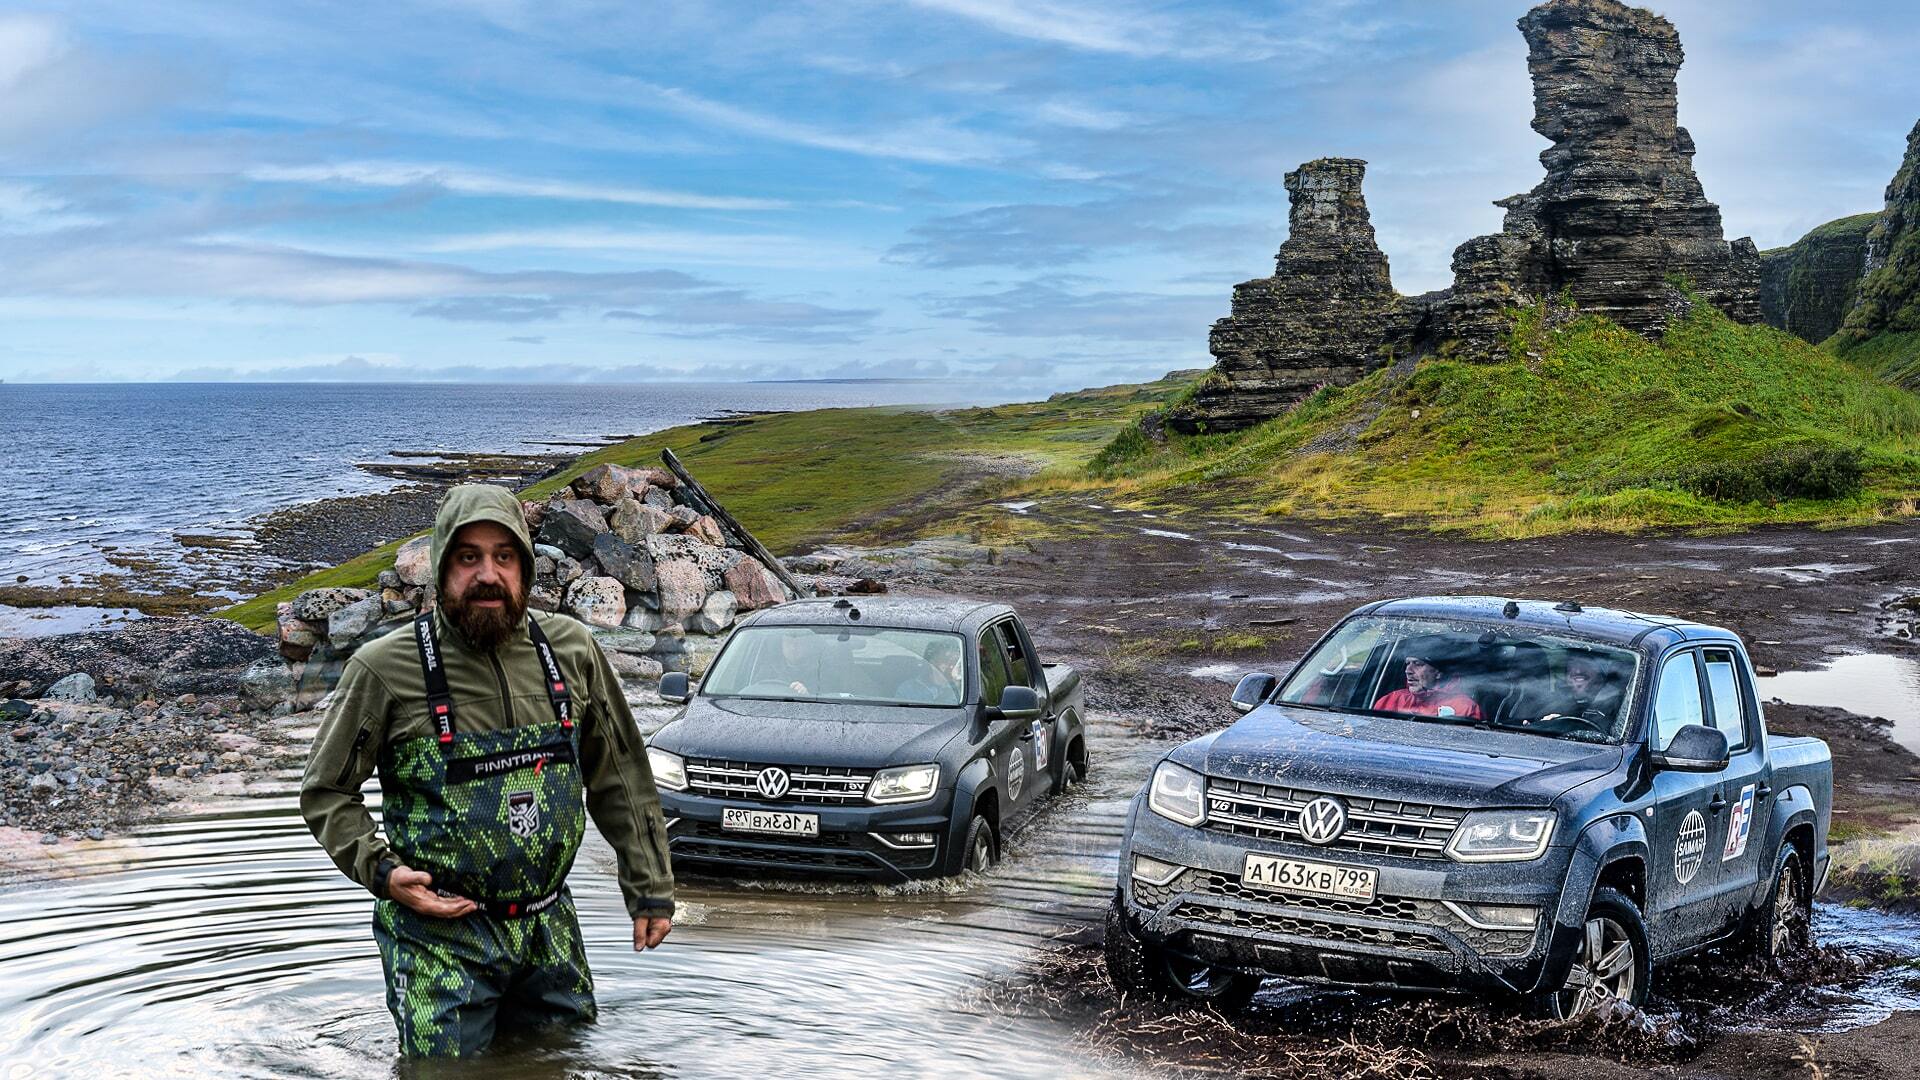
[
  {"x": 557, "y": 693},
  {"x": 439, "y": 698}
]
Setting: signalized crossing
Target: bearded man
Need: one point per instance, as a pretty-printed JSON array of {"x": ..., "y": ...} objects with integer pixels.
[{"x": 495, "y": 735}]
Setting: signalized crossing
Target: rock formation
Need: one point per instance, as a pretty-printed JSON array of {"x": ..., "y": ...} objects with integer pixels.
[
  {"x": 1619, "y": 222},
  {"x": 1808, "y": 287},
  {"x": 1620, "y": 216},
  {"x": 1324, "y": 317},
  {"x": 1890, "y": 292}
]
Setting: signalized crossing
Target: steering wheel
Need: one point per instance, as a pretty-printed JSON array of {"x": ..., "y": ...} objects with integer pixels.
[{"x": 1585, "y": 719}]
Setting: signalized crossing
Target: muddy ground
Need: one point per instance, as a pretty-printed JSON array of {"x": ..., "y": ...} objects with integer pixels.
[{"x": 1162, "y": 614}]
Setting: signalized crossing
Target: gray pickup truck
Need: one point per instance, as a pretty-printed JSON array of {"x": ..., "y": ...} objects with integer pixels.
[
  {"x": 1476, "y": 794},
  {"x": 876, "y": 737}
]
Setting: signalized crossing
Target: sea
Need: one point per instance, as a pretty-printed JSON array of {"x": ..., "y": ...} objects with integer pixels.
[{"x": 88, "y": 471}]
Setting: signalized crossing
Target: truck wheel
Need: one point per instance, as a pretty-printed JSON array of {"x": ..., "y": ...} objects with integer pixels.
[
  {"x": 1141, "y": 969},
  {"x": 1610, "y": 963},
  {"x": 1071, "y": 772},
  {"x": 1784, "y": 920},
  {"x": 983, "y": 848}
]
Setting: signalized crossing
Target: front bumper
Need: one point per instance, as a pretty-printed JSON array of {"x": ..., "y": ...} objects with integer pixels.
[
  {"x": 846, "y": 847},
  {"x": 1407, "y": 936}
]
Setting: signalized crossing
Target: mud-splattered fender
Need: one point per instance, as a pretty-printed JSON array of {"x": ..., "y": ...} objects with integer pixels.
[
  {"x": 976, "y": 777},
  {"x": 1792, "y": 808},
  {"x": 1612, "y": 839}
]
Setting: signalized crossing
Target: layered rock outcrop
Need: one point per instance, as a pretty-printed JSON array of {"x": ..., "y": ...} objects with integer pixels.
[
  {"x": 1620, "y": 218},
  {"x": 1619, "y": 225},
  {"x": 1808, "y": 287},
  {"x": 1890, "y": 292},
  {"x": 1324, "y": 317}
]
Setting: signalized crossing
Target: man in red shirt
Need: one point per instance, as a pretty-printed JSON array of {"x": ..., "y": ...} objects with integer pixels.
[{"x": 1429, "y": 692}]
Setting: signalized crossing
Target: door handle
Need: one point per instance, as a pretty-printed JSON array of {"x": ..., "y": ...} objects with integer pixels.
[
  {"x": 1765, "y": 791},
  {"x": 1719, "y": 802}
]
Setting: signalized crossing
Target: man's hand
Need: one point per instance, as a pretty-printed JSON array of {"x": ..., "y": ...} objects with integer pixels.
[
  {"x": 649, "y": 931},
  {"x": 414, "y": 888}
]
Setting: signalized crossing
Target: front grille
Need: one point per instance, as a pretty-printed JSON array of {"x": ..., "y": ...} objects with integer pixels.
[
  {"x": 817, "y": 785},
  {"x": 1308, "y": 927},
  {"x": 825, "y": 860},
  {"x": 1377, "y": 826}
]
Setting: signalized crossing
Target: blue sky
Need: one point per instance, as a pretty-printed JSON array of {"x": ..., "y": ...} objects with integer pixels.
[{"x": 1028, "y": 195}]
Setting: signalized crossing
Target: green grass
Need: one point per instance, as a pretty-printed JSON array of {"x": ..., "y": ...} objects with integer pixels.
[
  {"x": 1584, "y": 426},
  {"x": 1893, "y": 355},
  {"x": 796, "y": 479}
]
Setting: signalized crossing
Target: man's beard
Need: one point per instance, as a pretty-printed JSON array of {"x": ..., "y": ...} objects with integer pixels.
[{"x": 486, "y": 629}]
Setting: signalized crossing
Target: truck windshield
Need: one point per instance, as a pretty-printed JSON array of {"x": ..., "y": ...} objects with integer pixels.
[
  {"x": 841, "y": 663},
  {"x": 1499, "y": 676}
]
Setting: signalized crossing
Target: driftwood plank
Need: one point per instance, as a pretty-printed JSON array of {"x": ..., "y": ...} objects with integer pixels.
[{"x": 707, "y": 504}]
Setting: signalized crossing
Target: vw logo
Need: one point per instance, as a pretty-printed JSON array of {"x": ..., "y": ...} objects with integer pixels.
[
  {"x": 772, "y": 783},
  {"x": 1323, "y": 820}
]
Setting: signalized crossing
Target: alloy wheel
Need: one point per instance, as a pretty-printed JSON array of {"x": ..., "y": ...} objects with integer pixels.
[
  {"x": 1789, "y": 914},
  {"x": 1603, "y": 970}
]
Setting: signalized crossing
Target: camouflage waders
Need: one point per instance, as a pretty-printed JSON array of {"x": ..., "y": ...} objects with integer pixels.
[{"x": 495, "y": 817}]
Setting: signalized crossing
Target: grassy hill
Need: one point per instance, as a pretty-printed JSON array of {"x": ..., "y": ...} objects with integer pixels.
[
  {"x": 801, "y": 478},
  {"x": 1583, "y": 426}
]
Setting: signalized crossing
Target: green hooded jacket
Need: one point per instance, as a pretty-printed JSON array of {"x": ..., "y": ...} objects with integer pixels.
[{"x": 382, "y": 698}]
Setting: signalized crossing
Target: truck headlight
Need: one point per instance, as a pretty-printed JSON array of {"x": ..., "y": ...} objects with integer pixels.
[
  {"x": 1502, "y": 836},
  {"x": 906, "y": 783},
  {"x": 1178, "y": 794},
  {"x": 669, "y": 770}
]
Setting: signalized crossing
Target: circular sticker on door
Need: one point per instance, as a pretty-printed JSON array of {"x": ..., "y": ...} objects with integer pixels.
[
  {"x": 1690, "y": 847},
  {"x": 1016, "y": 773}
]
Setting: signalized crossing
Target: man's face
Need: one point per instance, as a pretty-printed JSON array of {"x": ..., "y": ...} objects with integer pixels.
[
  {"x": 1582, "y": 676},
  {"x": 485, "y": 584},
  {"x": 1421, "y": 675}
]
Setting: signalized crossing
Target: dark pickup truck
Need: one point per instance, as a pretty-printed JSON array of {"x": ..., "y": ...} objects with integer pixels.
[
  {"x": 876, "y": 737},
  {"x": 1476, "y": 794}
]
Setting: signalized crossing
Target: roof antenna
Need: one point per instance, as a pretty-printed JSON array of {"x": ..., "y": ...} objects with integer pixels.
[
  {"x": 1571, "y": 607},
  {"x": 1512, "y": 610}
]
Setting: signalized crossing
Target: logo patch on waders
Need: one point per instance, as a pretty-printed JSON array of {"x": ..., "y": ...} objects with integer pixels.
[{"x": 523, "y": 814}]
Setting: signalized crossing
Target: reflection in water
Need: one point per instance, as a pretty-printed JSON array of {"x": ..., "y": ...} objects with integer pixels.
[
  {"x": 224, "y": 944},
  {"x": 1870, "y": 685}
]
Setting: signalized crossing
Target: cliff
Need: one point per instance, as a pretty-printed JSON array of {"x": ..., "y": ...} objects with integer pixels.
[{"x": 1808, "y": 287}]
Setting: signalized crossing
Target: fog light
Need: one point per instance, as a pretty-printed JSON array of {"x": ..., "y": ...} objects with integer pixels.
[
  {"x": 1494, "y": 916},
  {"x": 1154, "y": 872},
  {"x": 905, "y": 839}
]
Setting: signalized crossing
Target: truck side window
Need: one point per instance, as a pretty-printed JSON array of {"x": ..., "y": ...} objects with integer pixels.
[
  {"x": 1723, "y": 685},
  {"x": 1022, "y": 670},
  {"x": 993, "y": 668},
  {"x": 1679, "y": 702}
]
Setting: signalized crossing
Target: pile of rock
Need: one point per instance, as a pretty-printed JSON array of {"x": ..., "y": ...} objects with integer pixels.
[{"x": 629, "y": 552}]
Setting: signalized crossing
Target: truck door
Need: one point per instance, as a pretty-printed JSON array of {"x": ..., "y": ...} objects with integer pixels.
[
  {"x": 1007, "y": 748},
  {"x": 1025, "y": 671},
  {"x": 1746, "y": 790},
  {"x": 1687, "y": 826}
]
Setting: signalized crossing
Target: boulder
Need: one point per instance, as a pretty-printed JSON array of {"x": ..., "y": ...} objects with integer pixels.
[
  {"x": 566, "y": 570},
  {"x": 607, "y": 483},
  {"x": 390, "y": 580},
  {"x": 414, "y": 561},
  {"x": 714, "y": 562},
  {"x": 683, "y": 518},
  {"x": 266, "y": 683},
  {"x": 318, "y": 605},
  {"x": 75, "y": 687},
  {"x": 715, "y": 615},
  {"x": 534, "y": 512},
  {"x": 597, "y": 601},
  {"x": 624, "y": 563},
  {"x": 634, "y": 521},
  {"x": 544, "y": 596},
  {"x": 682, "y": 587},
  {"x": 630, "y": 666},
  {"x": 707, "y": 530},
  {"x": 660, "y": 478},
  {"x": 753, "y": 585},
  {"x": 637, "y": 642},
  {"x": 659, "y": 498},
  {"x": 640, "y": 618},
  {"x": 297, "y": 638},
  {"x": 571, "y": 525},
  {"x": 348, "y": 626}
]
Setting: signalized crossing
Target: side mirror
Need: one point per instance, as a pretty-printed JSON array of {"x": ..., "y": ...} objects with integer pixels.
[
  {"x": 1695, "y": 748},
  {"x": 1018, "y": 703},
  {"x": 674, "y": 687},
  {"x": 1252, "y": 691}
]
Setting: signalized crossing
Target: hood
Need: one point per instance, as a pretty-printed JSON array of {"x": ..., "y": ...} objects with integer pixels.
[
  {"x": 811, "y": 732},
  {"x": 1404, "y": 759},
  {"x": 468, "y": 503}
]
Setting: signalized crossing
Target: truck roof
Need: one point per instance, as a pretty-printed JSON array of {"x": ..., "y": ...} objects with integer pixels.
[
  {"x": 1613, "y": 625},
  {"x": 900, "y": 612}
]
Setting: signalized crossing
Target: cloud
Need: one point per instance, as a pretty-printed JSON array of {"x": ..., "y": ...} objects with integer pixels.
[
  {"x": 1039, "y": 235},
  {"x": 462, "y": 181},
  {"x": 57, "y": 89},
  {"x": 528, "y": 340},
  {"x": 931, "y": 140},
  {"x": 1120, "y": 29},
  {"x": 735, "y": 313},
  {"x": 1047, "y": 307},
  {"x": 729, "y": 248}
]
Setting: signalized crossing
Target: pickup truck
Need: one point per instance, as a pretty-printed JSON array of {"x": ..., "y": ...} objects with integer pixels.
[
  {"x": 1476, "y": 794},
  {"x": 878, "y": 737}
]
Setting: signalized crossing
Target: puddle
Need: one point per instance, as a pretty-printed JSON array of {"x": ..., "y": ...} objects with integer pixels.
[
  {"x": 1892, "y": 989},
  {"x": 1169, "y": 533},
  {"x": 1806, "y": 573},
  {"x": 1017, "y": 507},
  {"x": 1226, "y": 673},
  {"x": 40, "y": 622},
  {"x": 1871, "y": 684}
]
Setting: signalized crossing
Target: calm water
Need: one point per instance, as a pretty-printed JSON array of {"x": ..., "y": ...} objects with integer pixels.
[
  {"x": 1869, "y": 684},
  {"x": 86, "y": 470}
]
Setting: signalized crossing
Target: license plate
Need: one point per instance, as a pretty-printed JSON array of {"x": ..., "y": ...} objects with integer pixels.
[
  {"x": 1309, "y": 878},
  {"x": 776, "y": 822}
]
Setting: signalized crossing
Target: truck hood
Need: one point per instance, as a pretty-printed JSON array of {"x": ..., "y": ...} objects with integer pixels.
[
  {"x": 810, "y": 733},
  {"x": 1403, "y": 759}
]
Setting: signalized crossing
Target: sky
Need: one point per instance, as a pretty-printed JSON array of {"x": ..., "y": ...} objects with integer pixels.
[{"x": 1027, "y": 195}]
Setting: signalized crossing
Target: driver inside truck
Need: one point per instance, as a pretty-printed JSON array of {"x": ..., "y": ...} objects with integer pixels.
[{"x": 1430, "y": 689}]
